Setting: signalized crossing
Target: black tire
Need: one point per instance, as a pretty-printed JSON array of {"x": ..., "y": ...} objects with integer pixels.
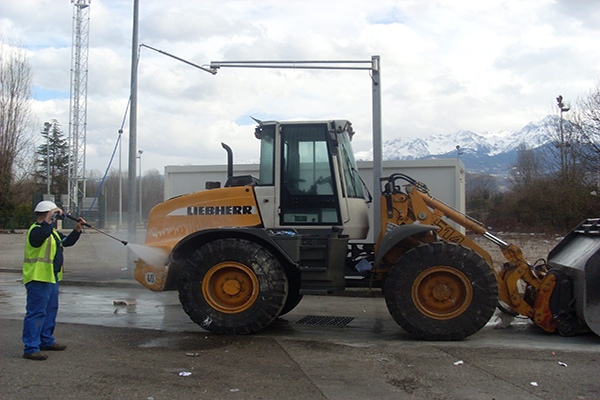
[
  {"x": 233, "y": 286},
  {"x": 294, "y": 296},
  {"x": 441, "y": 291}
]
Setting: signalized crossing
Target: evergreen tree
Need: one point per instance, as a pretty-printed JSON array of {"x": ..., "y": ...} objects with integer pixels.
[{"x": 53, "y": 159}]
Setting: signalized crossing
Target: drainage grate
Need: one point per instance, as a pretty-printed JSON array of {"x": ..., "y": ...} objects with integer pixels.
[{"x": 324, "y": 321}]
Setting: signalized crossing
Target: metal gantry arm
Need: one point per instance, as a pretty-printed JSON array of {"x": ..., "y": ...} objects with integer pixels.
[
  {"x": 210, "y": 71},
  {"x": 373, "y": 65},
  {"x": 292, "y": 64}
]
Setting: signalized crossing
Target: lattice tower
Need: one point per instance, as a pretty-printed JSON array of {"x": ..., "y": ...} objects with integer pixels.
[{"x": 78, "y": 104}]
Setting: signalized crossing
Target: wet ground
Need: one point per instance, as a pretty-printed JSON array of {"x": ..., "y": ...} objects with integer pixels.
[
  {"x": 370, "y": 321},
  {"x": 138, "y": 351}
]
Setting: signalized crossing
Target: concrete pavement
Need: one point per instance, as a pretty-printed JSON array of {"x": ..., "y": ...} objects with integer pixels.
[{"x": 138, "y": 351}]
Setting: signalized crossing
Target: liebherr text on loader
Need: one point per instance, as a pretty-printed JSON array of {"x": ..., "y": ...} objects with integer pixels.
[{"x": 244, "y": 254}]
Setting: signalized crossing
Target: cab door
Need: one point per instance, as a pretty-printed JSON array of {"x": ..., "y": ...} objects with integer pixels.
[{"x": 308, "y": 187}]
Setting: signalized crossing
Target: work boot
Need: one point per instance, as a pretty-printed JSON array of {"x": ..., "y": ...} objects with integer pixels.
[
  {"x": 54, "y": 347},
  {"x": 35, "y": 356}
]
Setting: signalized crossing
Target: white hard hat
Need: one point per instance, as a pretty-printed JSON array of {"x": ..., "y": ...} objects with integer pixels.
[{"x": 44, "y": 206}]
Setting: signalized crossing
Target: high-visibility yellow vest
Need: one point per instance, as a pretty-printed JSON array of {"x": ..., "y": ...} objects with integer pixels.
[{"x": 38, "y": 264}]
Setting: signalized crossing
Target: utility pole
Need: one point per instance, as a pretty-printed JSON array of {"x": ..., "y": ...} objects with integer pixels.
[
  {"x": 140, "y": 194},
  {"x": 48, "y": 175},
  {"x": 563, "y": 156},
  {"x": 120, "y": 224},
  {"x": 458, "y": 152},
  {"x": 132, "y": 187}
]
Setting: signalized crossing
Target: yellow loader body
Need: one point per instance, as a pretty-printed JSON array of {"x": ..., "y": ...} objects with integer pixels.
[{"x": 177, "y": 218}]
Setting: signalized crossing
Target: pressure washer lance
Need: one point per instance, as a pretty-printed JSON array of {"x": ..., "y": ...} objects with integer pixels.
[{"x": 96, "y": 229}]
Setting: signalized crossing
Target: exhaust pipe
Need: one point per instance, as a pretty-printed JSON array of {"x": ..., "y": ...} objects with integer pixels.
[{"x": 229, "y": 160}]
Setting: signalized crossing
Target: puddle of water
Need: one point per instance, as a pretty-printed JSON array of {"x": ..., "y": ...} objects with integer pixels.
[
  {"x": 131, "y": 309},
  {"x": 158, "y": 342}
]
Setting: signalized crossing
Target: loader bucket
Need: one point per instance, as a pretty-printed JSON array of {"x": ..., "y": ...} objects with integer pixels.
[{"x": 578, "y": 255}]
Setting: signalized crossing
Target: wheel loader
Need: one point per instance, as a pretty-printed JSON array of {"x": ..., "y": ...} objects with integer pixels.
[{"x": 244, "y": 254}]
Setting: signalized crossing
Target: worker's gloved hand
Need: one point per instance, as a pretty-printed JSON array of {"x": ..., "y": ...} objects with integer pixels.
[
  {"x": 54, "y": 213},
  {"x": 80, "y": 224}
]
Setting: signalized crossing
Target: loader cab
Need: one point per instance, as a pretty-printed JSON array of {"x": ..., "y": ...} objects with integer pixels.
[{"x": 308, "y": 177}]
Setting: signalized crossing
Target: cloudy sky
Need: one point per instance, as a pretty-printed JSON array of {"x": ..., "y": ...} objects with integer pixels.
[{"x": 446, "y": 65}]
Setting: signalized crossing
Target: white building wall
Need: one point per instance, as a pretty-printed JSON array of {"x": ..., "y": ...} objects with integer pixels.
[{"x": 444, "y": 177}]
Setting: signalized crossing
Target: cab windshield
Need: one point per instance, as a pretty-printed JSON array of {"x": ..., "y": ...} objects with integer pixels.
[{"x": 354, "y": 187}]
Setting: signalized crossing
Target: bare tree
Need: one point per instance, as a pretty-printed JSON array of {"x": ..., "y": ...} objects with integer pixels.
[
  {"x": 528, "y": 168},
  {"x": 551, "y": 188},
  {"x": 480, "y": 190},
  {"x": 112, "y": 191},
  {"x": 481, "y": 186},
  {"x": 15, "y": 119},
  {"x": 152, "y": 190},
  {"x": 570, "y": 153},
  {"x": 588, "y": 118}
]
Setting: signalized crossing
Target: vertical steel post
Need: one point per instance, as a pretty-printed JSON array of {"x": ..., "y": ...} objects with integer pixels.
[
  {"x": 120, "y": 224},
  {"x": 140, "y": 193},
  {"x": 132, "y": 187},
  {"x": 48, "y": 162},
  {"x": 377, "y": 144}
]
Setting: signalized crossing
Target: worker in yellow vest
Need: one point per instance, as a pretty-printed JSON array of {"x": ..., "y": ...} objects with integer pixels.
[{"x": 42, "y": 270}]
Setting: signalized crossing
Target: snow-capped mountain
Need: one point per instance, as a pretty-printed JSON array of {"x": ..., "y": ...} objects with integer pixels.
[{"x": 490, "y": 152}]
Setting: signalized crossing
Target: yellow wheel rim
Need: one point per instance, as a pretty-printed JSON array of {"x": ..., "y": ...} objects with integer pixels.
[
  {"x": 230, "y": 287},
  {"x": 442, "y": 293}
]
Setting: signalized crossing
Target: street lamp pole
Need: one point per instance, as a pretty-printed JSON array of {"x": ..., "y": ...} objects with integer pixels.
[
  {"x": 131, "y": 192},
  {"x": 120, "y": 224},
  {"x": 140, "y": 158},
  {"x": 48, "y": 183},
  {"x": 562, "y": 108},
  {"x": 458, "y": 152}
]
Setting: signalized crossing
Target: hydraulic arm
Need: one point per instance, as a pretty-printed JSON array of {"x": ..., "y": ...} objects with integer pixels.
[{"x": 526, "y": 289}]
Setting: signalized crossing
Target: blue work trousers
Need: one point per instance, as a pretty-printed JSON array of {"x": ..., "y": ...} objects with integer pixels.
[{"x": 40, "y": 320}]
